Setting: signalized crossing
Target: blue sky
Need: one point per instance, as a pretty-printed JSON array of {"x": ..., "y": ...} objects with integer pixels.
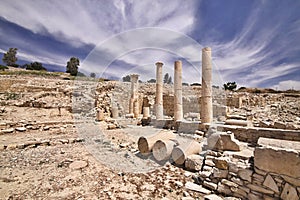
[{"x": 255, "y": 43}]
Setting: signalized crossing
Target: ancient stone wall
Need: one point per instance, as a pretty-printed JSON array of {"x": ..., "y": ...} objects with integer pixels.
[
  {"x": 273, "y": 174},
  {"x": 252, "y": 134}
]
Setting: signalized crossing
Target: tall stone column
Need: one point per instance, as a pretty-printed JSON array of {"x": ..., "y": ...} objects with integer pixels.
[
  {"x": 206, "y": 98},
  {"x": 159, "y": 110},
  {"x": 178, "y": 112},
  {"x": 134, "y": 94}
]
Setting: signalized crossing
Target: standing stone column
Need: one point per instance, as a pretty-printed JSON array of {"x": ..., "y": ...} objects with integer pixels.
[
  {"x": 159, "y": 110},
  {"x": 178, "y": 112},
  {"x": 133, "y": 104},
  {"x": 206, "y": 98}
]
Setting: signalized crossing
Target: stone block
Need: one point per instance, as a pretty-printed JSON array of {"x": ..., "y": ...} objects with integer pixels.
[
  {"x": 210, "y": 185},
  {"x": 194, "y": 162},
  {"x": 219, "y": 173},
  {"x": 245, "y": 174},
  {"x": 197, "y": 188},
  {"x": 224, "y": 189},
  {"x": 277, "y": 160},
  {"x": 259, "y": 189},
  {"x": 223, "y": 141},
  {"x": 291, "y": 180},
  {"x": 270, "y": 183},
  {"x": 221, "y": 162},
  {"x": 289, "y": 193}
]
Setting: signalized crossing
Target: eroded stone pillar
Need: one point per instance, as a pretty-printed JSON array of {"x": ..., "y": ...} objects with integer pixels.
[
  {"x": 178, "y": 112},
  {"x": 159, "y": 110},
  {"x": 133, "y": 104},
  {"x": 206, "y": 98}
]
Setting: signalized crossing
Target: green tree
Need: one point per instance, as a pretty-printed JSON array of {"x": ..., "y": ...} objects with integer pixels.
[
  {"x": 126, "y": 78},
  {"x": 93, "y": 75},
  {"x": 151, "y": 81},
  {"x": 35, "y": 66},
  {"x": 230, "y": 86},
  {"x": 167, "y": 79},
  {"x": 10, "y": 58},
  {"x": 72, "y": 66}
]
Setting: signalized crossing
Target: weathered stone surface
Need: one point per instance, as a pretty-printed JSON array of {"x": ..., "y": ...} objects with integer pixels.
[
  {"x": 229, "y": 183},
  {"x": 259, "y": 189},
  {"x": 197, "y": 188},
  {"x": 278, "y": 160},
  {"x": 289, "y": 193},
  {"x": 194, "y": 162},
  {"x": 245, "y": 174},
  {"x": 270, "y": 183},
  {"x": 223, "y": 141},
  {"x": 78, "y": 164},
  {"x": 221, "y": 162}
]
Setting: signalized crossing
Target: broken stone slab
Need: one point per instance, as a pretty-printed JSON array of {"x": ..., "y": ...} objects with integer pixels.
[
  {"x": 197, "y": 188},
  {"x": 194, "y": 162},
  {"x": 278, "y": 160},
  {"x": 212, "y": 197},
  {"x": 223, "y": 141},
  {"x": 289, "y": 193},
  {"x": 270, "y": 183}
]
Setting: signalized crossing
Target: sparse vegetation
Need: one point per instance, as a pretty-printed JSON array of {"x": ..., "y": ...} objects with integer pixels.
[
  {"x": 151, "y": 81},
  {"x": 34, "y": 66},
  {"x": 72, "y": 66},
  {"x": 167, "y": 79},
  {"x": 93, "y": 75},
  {"x": 10, "y": 58},
  {"x": 126, "y": 78},
  {"x": 230, "y": 86}
]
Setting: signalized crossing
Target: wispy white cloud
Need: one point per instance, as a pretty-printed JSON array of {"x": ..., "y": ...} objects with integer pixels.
[
  {"x": 263, "y": 48},
  {"x": 287, "y": 85}
]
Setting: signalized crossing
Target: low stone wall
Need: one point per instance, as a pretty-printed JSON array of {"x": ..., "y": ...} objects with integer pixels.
[
  {"x": 252, "y": 134},
  {"x": 274, "y": 174}
]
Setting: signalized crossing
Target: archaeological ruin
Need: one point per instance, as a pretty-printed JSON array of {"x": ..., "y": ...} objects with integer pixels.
[{"x": 133, "y": 140}]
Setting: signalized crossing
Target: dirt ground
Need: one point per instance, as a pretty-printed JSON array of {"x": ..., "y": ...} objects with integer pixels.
[{"x": 69, "y": 166}]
